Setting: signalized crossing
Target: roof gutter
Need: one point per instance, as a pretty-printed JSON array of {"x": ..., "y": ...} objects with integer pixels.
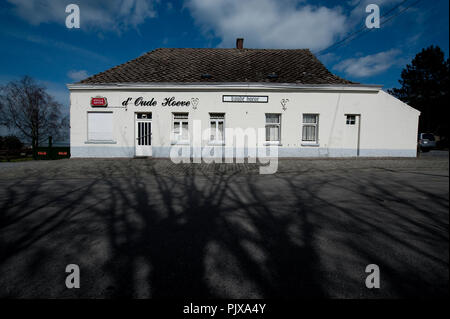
[{"x": 214, "y": 86}]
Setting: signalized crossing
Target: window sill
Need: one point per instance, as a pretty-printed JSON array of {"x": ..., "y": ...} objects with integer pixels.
[
  {"x": 272, "y": 143},
  {"x": 311, "y": 144},
  {"x": 100, "y": 142}
]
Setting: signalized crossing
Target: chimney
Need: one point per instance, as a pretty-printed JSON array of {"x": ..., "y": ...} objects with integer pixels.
[{"x": 240, "y": 43}]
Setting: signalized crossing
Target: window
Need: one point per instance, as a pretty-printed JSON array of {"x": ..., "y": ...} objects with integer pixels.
[
  {"x": 273, "y": 127},
  {"x": 310, "y": 128},
  {"x": 351, "y": 119},
  {"x": 180, "y": 131},
  {"x": 144, "y": 116},
  {"x": 217, "y": 121},
  {"x": 100, "y": 127}
]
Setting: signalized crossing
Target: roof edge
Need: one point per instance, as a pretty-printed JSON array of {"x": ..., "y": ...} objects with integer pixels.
[{"x": 224, "y": 85}]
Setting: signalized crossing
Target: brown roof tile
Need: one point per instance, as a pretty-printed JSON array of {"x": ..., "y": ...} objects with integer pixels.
[{"x": 223, "y": 65}]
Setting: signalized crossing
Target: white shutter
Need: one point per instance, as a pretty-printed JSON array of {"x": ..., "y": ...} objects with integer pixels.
[{"x": 100, "y": 126}]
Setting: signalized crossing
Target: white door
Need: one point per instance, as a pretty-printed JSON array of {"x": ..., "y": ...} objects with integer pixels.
[
  {"x": 352, "y": 134},
  {"x": 143, "y": 134}
]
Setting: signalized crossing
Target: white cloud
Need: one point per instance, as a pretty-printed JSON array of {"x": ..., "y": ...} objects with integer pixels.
[
  {"x": 329, "y": 58},
  {"x": 114, "y": 15},
  {"x": 77, "y": 75},
  {"x": 270, "y": 23},
  {"x": 369, "y": 65}
]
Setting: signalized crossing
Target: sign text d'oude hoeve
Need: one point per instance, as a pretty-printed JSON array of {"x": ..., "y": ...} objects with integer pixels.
[{"x": 168, "y": 101}]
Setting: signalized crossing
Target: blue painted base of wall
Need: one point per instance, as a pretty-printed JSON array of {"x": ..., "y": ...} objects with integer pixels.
[
  {"x": 164, "y": 152},
  {"x": 99, "y": 151}
]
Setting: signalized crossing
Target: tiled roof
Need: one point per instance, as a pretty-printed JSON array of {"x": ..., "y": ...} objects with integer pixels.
[{"x": 221, "y": 65}]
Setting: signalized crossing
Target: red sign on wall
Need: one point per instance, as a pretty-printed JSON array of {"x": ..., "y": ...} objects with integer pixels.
[{"x": 99, "y": 102}]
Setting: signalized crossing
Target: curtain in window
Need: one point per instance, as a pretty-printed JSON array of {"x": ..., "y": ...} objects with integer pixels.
[
  {"x": 273, "y": 127},
  {"x": 216, "y": 126},
  {"x": 272, "y": 118},
  {"x": 180, "y": 116},
  {"x": 309, "y": 118},
  {"x": 180, "y": 126},
  {"x": 220, "y": 131},
  {"x": 213, "y": 130},
  {"x": 185, "y": 131},
  {"x": 217, "y": 116},
  {"x": 272, "y": 133},
  {"x": 309, "y": 133},
  {"x": 176, "y": 128}
]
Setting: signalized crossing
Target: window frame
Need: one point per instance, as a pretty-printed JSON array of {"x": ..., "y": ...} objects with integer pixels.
[
  {"x": 217, "y": 131},
  {"x": 314, "y": 142},
  {"x": 278, "y": 124},
  {"x": 180, "y": 122}
]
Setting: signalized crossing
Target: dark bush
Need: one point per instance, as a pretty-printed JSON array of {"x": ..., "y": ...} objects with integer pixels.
[
  {"x": 442, "y": 144},
  {"x": 10, "y": 143}
]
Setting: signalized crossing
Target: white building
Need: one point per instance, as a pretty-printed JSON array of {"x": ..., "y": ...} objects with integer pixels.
[{"x": 146, "y": 106}]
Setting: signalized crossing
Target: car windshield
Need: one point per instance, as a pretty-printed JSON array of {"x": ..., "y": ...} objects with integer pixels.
[{"x": 429, "y": 137}]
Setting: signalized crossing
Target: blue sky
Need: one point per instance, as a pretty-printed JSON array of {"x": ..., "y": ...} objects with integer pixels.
[{"x": 36, "y": 42}]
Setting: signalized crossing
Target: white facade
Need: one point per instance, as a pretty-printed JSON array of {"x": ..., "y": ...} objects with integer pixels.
[{"x": 352, "y": 120}]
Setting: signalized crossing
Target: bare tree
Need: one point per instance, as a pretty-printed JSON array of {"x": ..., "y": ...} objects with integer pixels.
[{"x": 26, "y": 107}]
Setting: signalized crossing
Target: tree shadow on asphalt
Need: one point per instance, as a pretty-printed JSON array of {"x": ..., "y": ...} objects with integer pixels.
[
  {"x": 225, "y": 234},
  {"x": 199, "y": 246}
]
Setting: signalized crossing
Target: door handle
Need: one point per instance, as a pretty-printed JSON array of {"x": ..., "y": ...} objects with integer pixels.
[{"x": 143, "y": 136}]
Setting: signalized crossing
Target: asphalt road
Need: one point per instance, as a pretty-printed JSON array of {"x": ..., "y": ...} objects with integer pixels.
[{"x": 150, "y": 228}]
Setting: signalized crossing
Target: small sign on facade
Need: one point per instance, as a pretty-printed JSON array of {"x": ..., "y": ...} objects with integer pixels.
[
  {"x": 245, "y": 98},
  {"x": 99, "y": 102}
]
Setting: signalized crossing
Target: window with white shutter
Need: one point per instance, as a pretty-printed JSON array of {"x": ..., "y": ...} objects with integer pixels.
[{"x": 100, "y": 126}]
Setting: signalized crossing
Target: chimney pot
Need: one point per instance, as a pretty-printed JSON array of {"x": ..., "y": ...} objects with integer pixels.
[{"x": 240, "y": 43}]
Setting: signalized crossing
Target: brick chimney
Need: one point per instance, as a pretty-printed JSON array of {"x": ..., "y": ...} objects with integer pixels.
[{"x": 240, "y": 43}]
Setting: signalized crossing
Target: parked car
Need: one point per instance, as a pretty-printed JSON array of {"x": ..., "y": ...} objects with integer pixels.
[{"x": 426, "y": 142}]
